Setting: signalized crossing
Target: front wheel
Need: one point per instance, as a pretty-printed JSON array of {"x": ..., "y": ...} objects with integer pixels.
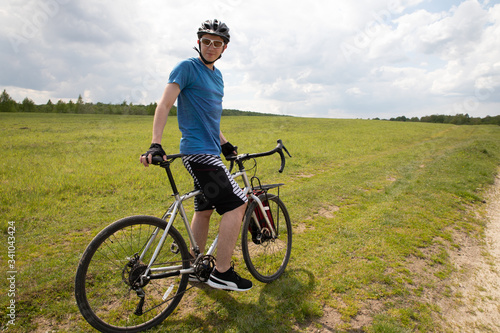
[
  {"x": 266, "y": 256},
  {"x": 110, "y": 289}
]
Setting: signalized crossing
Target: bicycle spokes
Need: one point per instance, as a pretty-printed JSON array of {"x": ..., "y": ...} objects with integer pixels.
[
  {"x": 267, "y": 250},
  {"x": 115, "y": 290}
]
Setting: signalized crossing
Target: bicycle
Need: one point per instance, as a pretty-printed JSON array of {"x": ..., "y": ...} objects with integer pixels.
[{"x": 134, "y": 273}]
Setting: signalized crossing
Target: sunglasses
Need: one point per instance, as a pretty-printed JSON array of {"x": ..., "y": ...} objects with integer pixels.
[{"x": 216, "y": 43}]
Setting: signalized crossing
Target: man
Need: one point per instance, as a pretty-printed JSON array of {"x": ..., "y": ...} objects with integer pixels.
[{"x": 198, "y": 87}]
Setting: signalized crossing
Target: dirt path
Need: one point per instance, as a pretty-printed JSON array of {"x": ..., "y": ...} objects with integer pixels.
[
  {"x": 475, "y": 302},
  {"x": 472, "y": 301}
]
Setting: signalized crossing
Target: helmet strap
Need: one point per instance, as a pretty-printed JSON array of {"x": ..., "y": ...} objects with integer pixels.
[{"x": 203, "y": 58}]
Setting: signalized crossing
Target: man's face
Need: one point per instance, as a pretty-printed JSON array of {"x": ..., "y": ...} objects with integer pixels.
[{"x": 214, "y": 49}]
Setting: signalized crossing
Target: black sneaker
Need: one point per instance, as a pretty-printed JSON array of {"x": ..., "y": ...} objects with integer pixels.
[{"x": 229, "y": 280}]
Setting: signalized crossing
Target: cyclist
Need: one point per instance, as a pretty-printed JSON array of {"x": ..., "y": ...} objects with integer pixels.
[{"x": 198, "y": 87}]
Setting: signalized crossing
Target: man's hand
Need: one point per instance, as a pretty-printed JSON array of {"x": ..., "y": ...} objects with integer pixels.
[
  {"x": 154, "y": 150},
  {"x": 228, "y": 150}
]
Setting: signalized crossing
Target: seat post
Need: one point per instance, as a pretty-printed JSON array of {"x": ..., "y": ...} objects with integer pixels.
[{"x": 166, "y": 166}]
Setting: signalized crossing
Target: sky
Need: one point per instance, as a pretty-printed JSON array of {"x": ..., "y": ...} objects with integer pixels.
[{"x": 324, "y": 58}]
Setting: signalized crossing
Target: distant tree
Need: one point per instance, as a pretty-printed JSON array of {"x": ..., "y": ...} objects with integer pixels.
[
  {"x": 437, "y": 118},
  {"x": 124, "y": 108},
  {"x": 173, "y": 111},
  {"x": 71, "y": 107},
  {"x": 49, "y": 107},
  {"x": 494, "y": 120},
  {"x": 28, "y": 105},
  {"x": 475, "y": 121},
  {"x": 61, "y": 107},
  {"x": 151, "y": 108},
  {"x": 80, "y": 105},
  {"x": 488, "y": 120},
  {"x": 401, "y": 118},
  {"x": 5, "y": 97},
  {"x": 460, "y": 119},
  {"x": 7, "y": 104}
]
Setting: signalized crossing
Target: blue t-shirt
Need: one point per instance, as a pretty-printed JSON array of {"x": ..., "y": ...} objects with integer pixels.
[{"x": 199, "y": 106}]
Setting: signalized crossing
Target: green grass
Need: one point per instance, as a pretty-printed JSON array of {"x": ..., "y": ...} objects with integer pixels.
[{"x": 397, "y": 192}]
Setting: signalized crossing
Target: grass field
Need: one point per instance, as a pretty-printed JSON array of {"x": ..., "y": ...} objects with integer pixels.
[{"x": 376, "y": 207}]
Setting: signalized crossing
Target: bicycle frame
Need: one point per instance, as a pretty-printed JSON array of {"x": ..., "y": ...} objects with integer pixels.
[{"x": 177, "y": 207}]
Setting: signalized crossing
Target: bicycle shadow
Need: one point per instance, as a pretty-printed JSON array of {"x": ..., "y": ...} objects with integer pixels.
[{"x": 278, "y": 306}]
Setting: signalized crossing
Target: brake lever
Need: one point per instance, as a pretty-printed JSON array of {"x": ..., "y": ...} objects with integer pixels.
[
  {"x": 231, "y": 160},
  {"x": 286, "y": 150}
]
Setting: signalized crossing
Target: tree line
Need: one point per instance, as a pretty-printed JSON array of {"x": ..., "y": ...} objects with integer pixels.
[
  {"x": 458, "y": 119},
  {"x": 7, "y": 104}
]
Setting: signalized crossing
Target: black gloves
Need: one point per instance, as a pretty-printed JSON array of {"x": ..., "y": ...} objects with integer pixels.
[
  {"x": 154, "y": 150},
  {"x": 228, "y": 150}
]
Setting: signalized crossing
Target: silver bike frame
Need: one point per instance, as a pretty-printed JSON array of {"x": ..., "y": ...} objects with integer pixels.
[{"x": 178, "y": 207}]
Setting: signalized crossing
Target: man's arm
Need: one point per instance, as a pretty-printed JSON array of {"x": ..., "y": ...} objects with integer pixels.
[
  {"x": 167, "y": 100},
  {"x": 162, "y": 110},
  {"x": 222, "y": 138}
]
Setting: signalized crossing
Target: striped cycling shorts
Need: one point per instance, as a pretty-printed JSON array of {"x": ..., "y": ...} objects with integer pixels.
[{"x": 220, "y": 191}]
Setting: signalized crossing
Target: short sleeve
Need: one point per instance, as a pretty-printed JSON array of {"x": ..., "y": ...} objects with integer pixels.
[{"x": 181, "y": 74}]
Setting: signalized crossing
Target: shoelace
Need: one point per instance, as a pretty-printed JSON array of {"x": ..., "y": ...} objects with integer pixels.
[{"x": 238, "y": 278}]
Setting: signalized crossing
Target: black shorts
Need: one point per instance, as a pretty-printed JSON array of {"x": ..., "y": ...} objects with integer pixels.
[{"x": 210, "y": 175}]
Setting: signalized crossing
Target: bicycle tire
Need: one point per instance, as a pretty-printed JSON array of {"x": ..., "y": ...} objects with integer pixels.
[
  {"x": 267, "y": 259},
  {"x": 102, "y": 283}
]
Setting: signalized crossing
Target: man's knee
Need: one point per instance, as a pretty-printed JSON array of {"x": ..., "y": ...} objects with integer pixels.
[{"x": 204, "y": 214}]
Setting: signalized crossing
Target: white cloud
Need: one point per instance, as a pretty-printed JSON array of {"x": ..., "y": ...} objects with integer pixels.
[
  {"x": 321, "y": 58},
  {"x": 354, "y": 91}
]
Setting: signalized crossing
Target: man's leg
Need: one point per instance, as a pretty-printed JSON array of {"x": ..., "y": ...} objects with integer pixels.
[
  {"x": 224, "y": 276},
  {"x": 222, "y": 192},
  {"x": 200, "y": 225},
  {"x": 229, "y": 230}
]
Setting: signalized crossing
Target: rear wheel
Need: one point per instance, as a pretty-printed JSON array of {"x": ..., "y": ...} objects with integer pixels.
[
  {"x": 109, "y": 290},
  {"x": 266, "y": 256}
]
